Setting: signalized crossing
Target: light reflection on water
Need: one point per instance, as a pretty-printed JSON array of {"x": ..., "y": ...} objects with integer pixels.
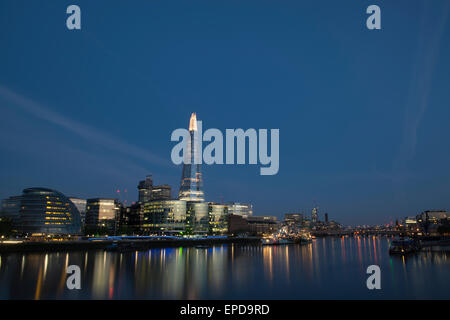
[{"x": 329, "y": 268}]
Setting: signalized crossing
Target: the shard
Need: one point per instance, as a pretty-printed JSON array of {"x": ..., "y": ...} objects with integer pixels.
[{"x": 191, "y": 188}]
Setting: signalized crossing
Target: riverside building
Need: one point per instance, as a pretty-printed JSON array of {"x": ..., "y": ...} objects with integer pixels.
[
  {"x": 42, "y": 212},
  {"x": 164, "y": 217},
  {"x": 102, "y": 213}
]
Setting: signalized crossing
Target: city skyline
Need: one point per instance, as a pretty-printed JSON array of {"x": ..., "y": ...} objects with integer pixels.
[{"x": 363, "y": 144}]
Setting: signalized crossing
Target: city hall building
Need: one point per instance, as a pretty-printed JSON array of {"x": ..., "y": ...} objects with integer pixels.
[{"x": 42, "y": 211}]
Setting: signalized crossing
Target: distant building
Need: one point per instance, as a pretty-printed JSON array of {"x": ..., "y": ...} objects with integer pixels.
[
  {"x": 149, "y": 192},
  {"x": 145, "y": 189},
  {"x": 430, "y": 220},
  {"x": 434, "y": 216},
  {"x": 293, "y": 220},
  {"x": 306, "y": 222},
  {"x": 162, "y": 192},
  {"x": 314, "y": 215},
  {"x": 326, "y": 217},
  {"x": 102, "y": 212},
  {"x": 240, "y": 209},
  {"x": 81, "y": 206},
  {"x": 42, "y": 211}
]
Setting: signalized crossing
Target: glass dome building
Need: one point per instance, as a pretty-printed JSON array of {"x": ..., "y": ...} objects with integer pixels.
[{"x": 46, "y": 211}]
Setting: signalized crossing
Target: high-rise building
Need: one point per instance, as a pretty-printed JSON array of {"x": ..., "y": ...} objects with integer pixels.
[
  {"x": 102, "y": 212},
  {"x": 145, "y": 189},
  {"x": 314, "y": 215},
  {"x": 326, "y": 217},
  {"x": 162, "y": 192},
  {"x": 191, "y": 179},
  {"x": 148, "y": 192},
  {"x": 42, "y": 211}
]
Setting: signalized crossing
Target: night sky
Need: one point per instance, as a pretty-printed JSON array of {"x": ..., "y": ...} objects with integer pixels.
[{"x": 363, "y": 115}]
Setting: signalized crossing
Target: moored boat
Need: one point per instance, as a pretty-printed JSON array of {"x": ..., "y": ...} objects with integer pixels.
[
  {"x": 404, "y": 246},
  {"x": 276, "y": 241}
]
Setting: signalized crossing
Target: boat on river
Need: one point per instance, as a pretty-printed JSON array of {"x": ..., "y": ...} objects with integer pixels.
[
  {"x": 404, "y": 246},
  {"x": 276, "y": 241}
]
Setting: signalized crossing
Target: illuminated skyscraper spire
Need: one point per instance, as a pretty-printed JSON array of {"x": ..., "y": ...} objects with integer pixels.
[
  {"x": 191, "y": 179},
  {"x": 193, "y": 122}
]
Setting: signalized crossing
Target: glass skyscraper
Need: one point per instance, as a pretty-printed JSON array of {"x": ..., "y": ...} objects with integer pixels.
[{"x": 191, "y": 188}]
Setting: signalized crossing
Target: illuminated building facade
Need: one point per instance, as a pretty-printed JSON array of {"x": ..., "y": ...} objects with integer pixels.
[
  {"x": 218, "y": 218},
  {"x": 102, "y": 212},
  {"x": 240, "y": 209},
  {"x": 164, "y": 217},
  {"x": 191, "y": 179},
  {"x": 42, "y": 211},
  {"x": 197, "y": 217}
]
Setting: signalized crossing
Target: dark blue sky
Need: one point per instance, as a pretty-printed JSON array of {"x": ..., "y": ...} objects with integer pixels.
[{"x": 363, "y": 115}]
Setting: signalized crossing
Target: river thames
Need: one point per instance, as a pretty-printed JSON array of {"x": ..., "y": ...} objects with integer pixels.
[{"x": 329, "y": 268}]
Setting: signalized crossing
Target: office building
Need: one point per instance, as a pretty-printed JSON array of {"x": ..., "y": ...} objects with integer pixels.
[
  {"x": 263, "y": 224},
  {"x": 42, "y": 211},
  {"x": 240, "y": 209},
  {"x": 162, "y": 192},
  {"x": 145, "y": 189},
  {"x": 131, "y": 218},
  {"x": 149, "y": 192},
  {"x": 197, "y": 218},
  {"x": 164, "y": 217},
  {"x": 80, "y": 204},
  {"x": 102, "y": 213},
  {"x": 254, "y": 225},
  {"x": 218, "y": 218}
]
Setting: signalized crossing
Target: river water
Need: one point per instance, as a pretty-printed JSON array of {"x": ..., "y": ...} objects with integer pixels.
[{"x": 329, "y": 268}]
